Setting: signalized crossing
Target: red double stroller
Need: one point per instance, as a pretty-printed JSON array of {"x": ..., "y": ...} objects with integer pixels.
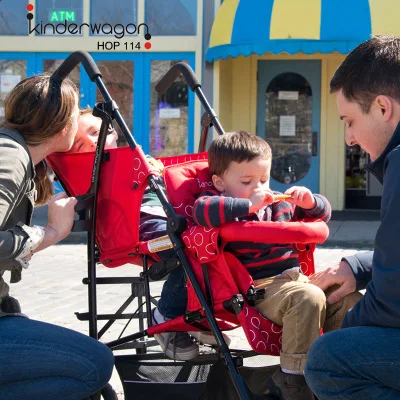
[{"x": 110, "y": 185}]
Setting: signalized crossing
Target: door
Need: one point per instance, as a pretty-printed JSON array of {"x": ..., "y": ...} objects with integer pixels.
[{"x": 288, "y": 118}]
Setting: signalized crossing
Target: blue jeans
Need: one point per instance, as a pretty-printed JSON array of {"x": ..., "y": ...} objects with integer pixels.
[
  {"x": 39, "y": 361},
  {"x": 173, "y": 298},
  {"x": 355, "y": 363}
]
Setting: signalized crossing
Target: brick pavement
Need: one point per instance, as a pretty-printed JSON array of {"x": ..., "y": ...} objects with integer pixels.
[{"x": 52, "y": 290}]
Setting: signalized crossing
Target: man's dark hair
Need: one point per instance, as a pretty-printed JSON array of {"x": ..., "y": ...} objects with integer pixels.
[
  {"x": 370, "y": 70},
  {"x": 235, "y": 146}
]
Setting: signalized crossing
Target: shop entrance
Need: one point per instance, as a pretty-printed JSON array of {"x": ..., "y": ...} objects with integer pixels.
[{"x": 288, "y": 117}]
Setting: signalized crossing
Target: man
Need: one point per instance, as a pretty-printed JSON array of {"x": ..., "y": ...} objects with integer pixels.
[{"x": 363, "y": 360}]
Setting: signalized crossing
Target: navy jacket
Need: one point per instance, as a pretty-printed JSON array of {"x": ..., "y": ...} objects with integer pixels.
[{"x": 379, "y": 270}]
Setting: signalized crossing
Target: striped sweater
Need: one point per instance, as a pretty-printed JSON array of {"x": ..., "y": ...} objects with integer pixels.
[{"x": 263, "y": 260}]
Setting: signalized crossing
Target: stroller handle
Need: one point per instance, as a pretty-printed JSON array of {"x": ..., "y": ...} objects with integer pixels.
[
  {"x": 73, "y": 60},
  {"x": 179, "y": 68}
]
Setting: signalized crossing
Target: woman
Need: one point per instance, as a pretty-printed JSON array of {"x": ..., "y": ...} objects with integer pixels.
[{"x": 39, "y": 360}]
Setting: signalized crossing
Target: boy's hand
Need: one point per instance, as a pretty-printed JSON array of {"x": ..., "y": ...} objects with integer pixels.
[
  {"x": 301, "y": 197},
  {"x": 259, "y": 199}
]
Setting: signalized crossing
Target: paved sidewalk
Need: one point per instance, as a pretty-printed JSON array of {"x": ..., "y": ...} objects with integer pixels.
[
  {"x": 51, "y": 290},
  {"x": 356, "y": 234}
]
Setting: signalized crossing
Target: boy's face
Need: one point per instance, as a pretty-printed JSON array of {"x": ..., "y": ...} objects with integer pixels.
[
  {"x": 241, "y": 179},
  {"x": 88, "y": 134}
]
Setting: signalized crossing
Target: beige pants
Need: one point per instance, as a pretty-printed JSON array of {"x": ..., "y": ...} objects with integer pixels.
[{"x": 301, "y": 308}]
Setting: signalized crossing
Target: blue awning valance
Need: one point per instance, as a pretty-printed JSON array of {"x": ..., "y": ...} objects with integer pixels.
[{"x": 243, "y": 27}]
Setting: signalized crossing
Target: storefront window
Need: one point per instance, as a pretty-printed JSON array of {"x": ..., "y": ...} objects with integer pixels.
[
  {"x": 168, "y": 113},
  {"x": 363, "y": 190},
  {"x": 13, "y": 17},
  {"x": 172, "y": 17},
  {"x": 117, "y": 12},
  {"x": 59, "y": 17},
  {"x": 118, "y": 76},
  {"x": 11, "y": 72},
  {"x": 288, "y": 126},
  {"x": 356, "y": 158}
]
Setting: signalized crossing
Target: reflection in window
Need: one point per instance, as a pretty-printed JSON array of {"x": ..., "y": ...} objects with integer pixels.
[
  {"x": 13, "y": 17},
  {"x": 55, "y": 13},
  {"x": 168, "y": 113},
  {"x": 113, "y": 13},
  {"x": 11, "y": 72},
  {"x": 50, "y": 66},
  {"x": 117, "y": 76},
  {"x": 288, "y": 126},
  {"x": 172, "y": 17}
]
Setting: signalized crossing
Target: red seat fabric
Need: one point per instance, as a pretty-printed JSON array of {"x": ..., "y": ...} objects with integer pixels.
[{"x": 123, "y": 180}]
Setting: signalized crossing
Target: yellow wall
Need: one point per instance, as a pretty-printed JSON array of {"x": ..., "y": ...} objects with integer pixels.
[{"x": 237, "y": 105}]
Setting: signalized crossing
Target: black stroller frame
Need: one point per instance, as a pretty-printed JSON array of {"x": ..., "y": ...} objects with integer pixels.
[{"x": 86, "y": 208}]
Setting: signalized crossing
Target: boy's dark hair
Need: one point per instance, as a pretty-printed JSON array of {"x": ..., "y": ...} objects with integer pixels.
[
  {"x": 235, "y": 146},
  {"x": 370, "y": 70}
]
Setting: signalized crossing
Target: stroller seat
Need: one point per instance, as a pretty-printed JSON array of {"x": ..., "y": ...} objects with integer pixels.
[{"x": 221, "y": 276}]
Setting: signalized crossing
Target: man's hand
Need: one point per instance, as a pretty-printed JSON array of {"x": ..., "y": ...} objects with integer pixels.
[{"x": 339, "y": 274}]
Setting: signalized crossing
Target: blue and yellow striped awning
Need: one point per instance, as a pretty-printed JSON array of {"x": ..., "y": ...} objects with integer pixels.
[{"x": 243, "y": 27}]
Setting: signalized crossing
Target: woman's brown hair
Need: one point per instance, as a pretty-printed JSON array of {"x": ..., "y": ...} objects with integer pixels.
[{"x": 39, "y": 108}]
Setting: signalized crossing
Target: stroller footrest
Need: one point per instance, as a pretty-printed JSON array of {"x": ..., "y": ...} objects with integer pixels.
[{"x": 110, "y": 317}]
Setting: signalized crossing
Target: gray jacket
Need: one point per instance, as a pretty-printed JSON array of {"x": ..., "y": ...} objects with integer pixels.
[
  {"x": 379, "y": 271},
  {"x": 17, "y": 191}
]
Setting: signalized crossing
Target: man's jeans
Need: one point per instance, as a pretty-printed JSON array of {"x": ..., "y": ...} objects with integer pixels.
[
  {"x": 356, "y": 363},
  {"x": 39, "y": 361}
]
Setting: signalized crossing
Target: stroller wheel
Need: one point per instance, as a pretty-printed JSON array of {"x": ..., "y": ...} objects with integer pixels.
[{"x": 108, "y": 393}]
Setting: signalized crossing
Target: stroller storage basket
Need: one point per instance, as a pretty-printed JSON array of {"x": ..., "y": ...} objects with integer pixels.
[
  {"x": 153, "y": 376},
  {"x": 146, "y": 377}
]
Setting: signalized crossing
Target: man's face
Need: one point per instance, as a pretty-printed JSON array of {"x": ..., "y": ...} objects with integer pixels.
[
  {"x": 240, "y": 179},
  {"x": 369, "y": 130},
  {"x": 88, "y": 135}
]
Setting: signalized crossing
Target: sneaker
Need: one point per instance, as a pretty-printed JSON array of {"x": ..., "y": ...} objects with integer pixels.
[
  {"x": 290, "y": 387},
  {"x": 207, "y": 337},
  {"x": 176, "y": 345}
]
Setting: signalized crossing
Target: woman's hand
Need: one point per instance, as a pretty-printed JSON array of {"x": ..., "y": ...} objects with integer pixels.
[
  {"x": 60, "y": 220},
  {"x": 61, "y": 215},
  {"x": 301, "y": 197}
]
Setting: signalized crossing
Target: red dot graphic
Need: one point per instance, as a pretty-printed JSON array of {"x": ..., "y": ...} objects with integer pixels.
[
  {"x": 29, "y": 7},
  {"x": 147, "y": 45}
]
